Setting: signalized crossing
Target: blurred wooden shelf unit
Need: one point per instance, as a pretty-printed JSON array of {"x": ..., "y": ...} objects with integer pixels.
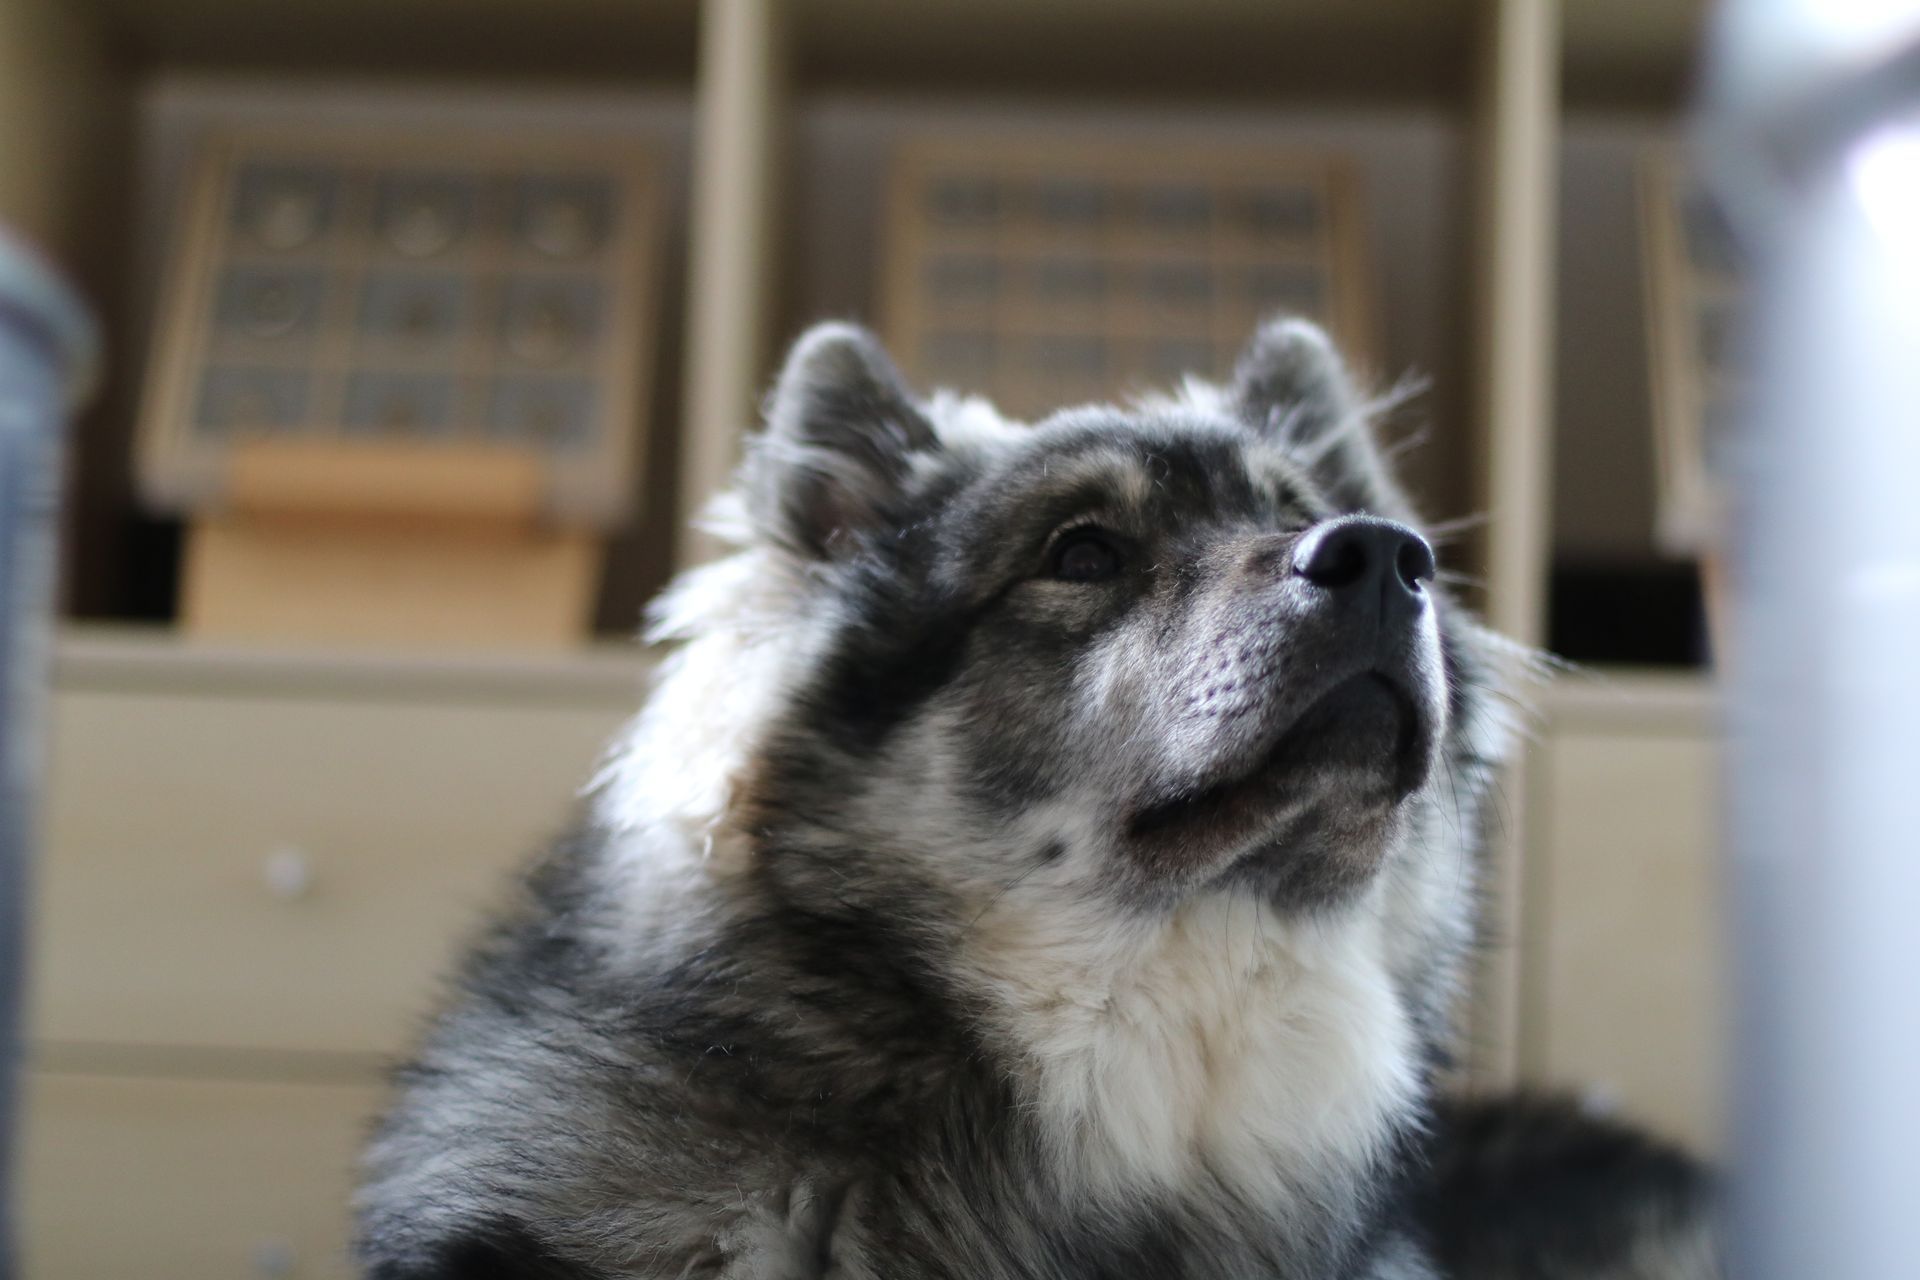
[
  {"x": 397, "y": 384},
  {"x": 1048, "y": 271},
  {"x": 360, "y": 402}
]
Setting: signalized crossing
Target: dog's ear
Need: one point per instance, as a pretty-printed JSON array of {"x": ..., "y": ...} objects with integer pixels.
[
  {"x": 842, "y": 430},
  {"x": 1290, "y": 386}
]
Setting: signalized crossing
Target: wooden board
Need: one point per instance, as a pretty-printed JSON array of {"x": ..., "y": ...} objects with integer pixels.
[
  {"x": 183, "y": 1179},
  {"x": 364, "y": 583},
  {"x": 260, "y": 866},
  {"x": 395, "y": 482},
  {"x": 1623, "y": 938}
]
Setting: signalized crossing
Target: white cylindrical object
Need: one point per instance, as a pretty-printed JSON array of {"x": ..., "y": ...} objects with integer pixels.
[
  {"x": 1815, "y": 131},
  {"x": 47, "y": 351},
  {"x": 1826, "y": 745}
]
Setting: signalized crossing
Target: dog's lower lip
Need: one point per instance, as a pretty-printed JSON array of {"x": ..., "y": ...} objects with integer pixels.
[
  {"x": 1370, "y": 695},
  {"x": 1367, "y": 693}
]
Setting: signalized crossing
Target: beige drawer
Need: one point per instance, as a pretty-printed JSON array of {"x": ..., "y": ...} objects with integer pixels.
[
  {"x": 191, "y": 1179},
  {"x": 270, "y": 872},
  {"x": 1623, "y": 981}
]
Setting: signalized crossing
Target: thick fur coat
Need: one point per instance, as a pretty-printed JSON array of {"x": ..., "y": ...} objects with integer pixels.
[{"x": 1051, "y": 851}]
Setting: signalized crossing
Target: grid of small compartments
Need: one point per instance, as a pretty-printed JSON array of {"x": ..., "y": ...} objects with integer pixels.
[
  {"x": 1697, "y": 295},
  {"x": 423, "y": 294},
  {"x": 1045, "y": 274}
]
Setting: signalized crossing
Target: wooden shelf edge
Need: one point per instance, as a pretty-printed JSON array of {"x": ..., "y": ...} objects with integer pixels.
[
  {"x": 204, "y": 1063},
  {"x": 1643, "y": 698},
  {"x": 604, "y": 674}
]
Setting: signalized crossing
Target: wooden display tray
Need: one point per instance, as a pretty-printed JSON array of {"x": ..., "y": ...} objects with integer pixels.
[
  {"x": 349, "y": 325},
  {"x": 1053, "y": 269}
]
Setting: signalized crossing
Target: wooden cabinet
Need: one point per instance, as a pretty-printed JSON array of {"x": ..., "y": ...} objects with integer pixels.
[
  {"x": 259, "y": 871},
  {"x": 1621, "y": 938},
  {"x": 177, "y": 1178},
  {"x": 255, "y": 870}
]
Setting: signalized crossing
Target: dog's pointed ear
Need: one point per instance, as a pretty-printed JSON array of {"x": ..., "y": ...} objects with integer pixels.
[
  {"x": 842, "y": 431},
  {"x": 1290, "y": 386}
]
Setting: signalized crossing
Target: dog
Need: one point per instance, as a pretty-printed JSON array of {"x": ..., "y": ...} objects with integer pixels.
[{"x": 1051, "y": 851}]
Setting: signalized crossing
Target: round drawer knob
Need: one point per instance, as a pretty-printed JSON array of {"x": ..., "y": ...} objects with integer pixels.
[
  {"x": 288, "y": 873},
  {"x": 273, "y": 1258}
]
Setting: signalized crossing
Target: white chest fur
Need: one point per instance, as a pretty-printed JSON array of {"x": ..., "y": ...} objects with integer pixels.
[{"x": 1222, "y": 1046}]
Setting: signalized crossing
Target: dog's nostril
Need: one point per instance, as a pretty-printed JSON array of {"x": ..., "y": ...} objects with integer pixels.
[
  {"x": 1355, "y": 552},
  {"x": 1415, "y": 562},
  {"x": 1337, "y": 560}
]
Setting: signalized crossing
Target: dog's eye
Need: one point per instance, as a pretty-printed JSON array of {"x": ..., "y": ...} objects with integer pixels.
[{"x": 1085, "y": 555}]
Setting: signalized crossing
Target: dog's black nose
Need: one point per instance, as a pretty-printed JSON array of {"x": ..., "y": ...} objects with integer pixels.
[{"x": 1367, "y": 558}]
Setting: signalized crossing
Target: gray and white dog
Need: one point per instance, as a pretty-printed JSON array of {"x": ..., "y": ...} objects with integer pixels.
[{"x": 1051, "y": 852}]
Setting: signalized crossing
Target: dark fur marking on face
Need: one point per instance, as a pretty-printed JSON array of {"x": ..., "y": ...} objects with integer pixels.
[
  {"x": 1202, "y": 477},
  {"x": 905, "y": 637},
  {"x": 873, "y": 683},
  {"x": 1143, "y": 478},
  {"x": 842, "y": 427}
]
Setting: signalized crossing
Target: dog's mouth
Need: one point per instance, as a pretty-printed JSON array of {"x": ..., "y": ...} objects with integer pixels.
[{"x": 1367, "y": 733}]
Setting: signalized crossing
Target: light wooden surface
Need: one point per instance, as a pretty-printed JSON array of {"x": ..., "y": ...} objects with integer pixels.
[
  {"x": 280, "y": 872},
  {"x": 58, "y": 99},
  {"x": 739, "y": 144},
  {"x": 188, "y": 1179},
  {"x": 256, "y": 866},
  {"x": 388, "y": 480},
  {"x": 406, "y": 543},
  {"x": 1518, "y": 129},
  {"x": 1518, "y": 124},
  {"x": 607, "y": 675},
  {"x": 295, "y": 583},
  {"x": 1624, "y": 990}
]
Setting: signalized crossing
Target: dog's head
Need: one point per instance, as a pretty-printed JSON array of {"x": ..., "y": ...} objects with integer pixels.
[{"x": 1151, "y": 652}]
